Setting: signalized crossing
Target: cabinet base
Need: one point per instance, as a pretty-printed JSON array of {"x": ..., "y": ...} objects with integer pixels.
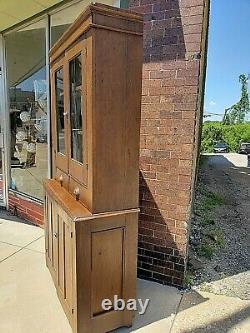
[{"x": 91, "y": 258}]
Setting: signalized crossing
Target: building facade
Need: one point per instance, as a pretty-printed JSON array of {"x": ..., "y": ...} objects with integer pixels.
[{"x": 175, "y": 38}]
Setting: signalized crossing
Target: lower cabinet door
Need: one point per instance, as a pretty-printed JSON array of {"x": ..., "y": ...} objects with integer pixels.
[
  {"x": 107, "y": 266},
  {"x": 51, "y": 233},
  {"x": 65, "y": 260}
]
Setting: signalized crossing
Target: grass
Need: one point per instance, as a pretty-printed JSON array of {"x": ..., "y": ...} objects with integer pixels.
[
  {"x": 212, "y": 241},
  {"x": 206, "y": 250},
  {"x": 218, "y": 237},
  {"x": 207, "y": 221},
  {"x": 211, "y": 200},
  {"x": 212, "y": 238},
  {"x": 188, "y": 280}
]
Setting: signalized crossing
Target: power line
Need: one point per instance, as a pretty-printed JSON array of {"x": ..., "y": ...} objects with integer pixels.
[{"x": 209, "y": 114}]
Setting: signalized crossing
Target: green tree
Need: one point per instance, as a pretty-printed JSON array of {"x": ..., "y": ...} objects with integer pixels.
[
  {"x": 236, "y": 114},
  {"x": 232, "y": 135}
]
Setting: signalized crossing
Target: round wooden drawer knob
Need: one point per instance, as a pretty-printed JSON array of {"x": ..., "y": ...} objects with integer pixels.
[
  {"x": 77, "y": 193},
  {"x": 61, "y": 180}
]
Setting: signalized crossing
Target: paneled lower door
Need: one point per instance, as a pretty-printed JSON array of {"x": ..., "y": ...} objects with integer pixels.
[{"x": 107, "y": 266}]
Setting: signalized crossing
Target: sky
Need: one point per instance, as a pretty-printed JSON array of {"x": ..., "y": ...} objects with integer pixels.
[{"x": 228, "y": 54}]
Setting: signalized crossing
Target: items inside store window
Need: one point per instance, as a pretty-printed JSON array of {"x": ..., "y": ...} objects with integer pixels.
[{"x": 28, "y": 123}]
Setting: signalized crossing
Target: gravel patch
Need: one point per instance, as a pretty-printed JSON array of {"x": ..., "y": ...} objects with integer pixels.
[{"x": 225, "y": 226}]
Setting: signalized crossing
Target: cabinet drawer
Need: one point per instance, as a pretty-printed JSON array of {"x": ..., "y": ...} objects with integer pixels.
[{"x": 63, "y": 178}]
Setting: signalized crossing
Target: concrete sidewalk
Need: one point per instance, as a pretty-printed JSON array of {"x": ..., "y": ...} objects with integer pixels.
[{"x": 28, "y": 301}]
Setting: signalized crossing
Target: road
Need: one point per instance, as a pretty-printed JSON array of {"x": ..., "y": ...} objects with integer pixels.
[{"x": 228, "y": 160}]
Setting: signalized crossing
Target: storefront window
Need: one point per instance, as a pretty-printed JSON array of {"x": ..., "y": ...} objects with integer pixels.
[
  {"x": 124, "y": 3},
  {"x": 61, "y": 20},
  {"x": 27, "y": 88},
  {"x": 1, "y": 172},
  {"x": 26, "y": 76}
]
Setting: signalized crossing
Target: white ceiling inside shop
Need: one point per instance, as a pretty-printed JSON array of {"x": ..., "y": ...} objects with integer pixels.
[
  {"x": 25, "y": 48},
  {"x": 15, "y": 11}
]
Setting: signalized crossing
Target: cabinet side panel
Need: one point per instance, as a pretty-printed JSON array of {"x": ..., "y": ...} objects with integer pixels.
[
  {"x": 133, "y": 118},
  {"x": 107, "y": 266},
  {"x": 109, "y": 116}
]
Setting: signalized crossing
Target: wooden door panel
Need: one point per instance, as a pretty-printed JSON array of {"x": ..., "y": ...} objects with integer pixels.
[
  {"x": 106, "y": 266},
  {"x": 65, "y": 260},
  {"x": 47, "y": 221},
  {"x": 59, "y": 117},
  {"x": 61, "y": 260},
  {"x": 77, "y": 133},
  {"x": 54, "y": 237},
  {"x": 50, "y": 231}
]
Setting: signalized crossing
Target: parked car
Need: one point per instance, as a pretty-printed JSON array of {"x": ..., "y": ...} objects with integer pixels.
[
  {"x": 220, "y": 148},
  {"x": 244, "y": 148}
]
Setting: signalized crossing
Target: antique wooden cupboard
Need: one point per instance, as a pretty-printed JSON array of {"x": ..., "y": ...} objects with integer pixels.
[{"x": 91, "y": 204}]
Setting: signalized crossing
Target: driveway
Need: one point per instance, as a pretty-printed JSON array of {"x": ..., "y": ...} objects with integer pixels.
[{"x": 28, "y": 301}]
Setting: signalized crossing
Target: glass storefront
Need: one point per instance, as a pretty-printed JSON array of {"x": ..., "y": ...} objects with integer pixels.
[
  {"x": 26, "y": 79},
  {"x": 61, "y": 20},
  {"x": 1, "y": 173},
  {"x": 28, "y": 107}
]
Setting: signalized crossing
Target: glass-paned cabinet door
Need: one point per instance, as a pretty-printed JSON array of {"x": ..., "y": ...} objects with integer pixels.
[
  {"x": 60, "y": 124},
  {"x": 59, "y": 116},
  {"x": 75, "y": 84},
  {"x": 76, "y": 90}
]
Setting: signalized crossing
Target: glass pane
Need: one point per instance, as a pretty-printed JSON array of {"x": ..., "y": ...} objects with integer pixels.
[
  {"x": 75, "y": 69},
  {"x": 61, "y": 20},
  {"x": 60, "y": 111},
  {"x": 1, "y": 175},
  {"x": 1, "y": 152},
  {"x": 26, "y": 79},
  {"x": 124, "y": 3}
]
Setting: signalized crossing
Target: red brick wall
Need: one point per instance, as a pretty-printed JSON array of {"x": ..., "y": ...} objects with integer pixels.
[
  {"x": 26, "y": 209},
  {"x": 174, "y": 58}
]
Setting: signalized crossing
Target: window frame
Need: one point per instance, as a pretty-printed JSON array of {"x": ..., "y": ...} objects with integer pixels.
[
  {"x": 59, "y": 158},
  {"x": 77, "y": 170}
]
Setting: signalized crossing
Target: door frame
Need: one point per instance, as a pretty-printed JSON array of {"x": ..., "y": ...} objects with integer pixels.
[
  {"x": 76, "y": 167},
  {"x": 5, "y": 121}
]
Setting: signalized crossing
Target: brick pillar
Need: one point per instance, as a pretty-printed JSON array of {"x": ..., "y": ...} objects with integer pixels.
[{"x": 175, "y": 34}]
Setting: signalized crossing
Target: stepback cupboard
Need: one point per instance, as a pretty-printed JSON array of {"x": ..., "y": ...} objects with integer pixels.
[{"x": 91, "y": 204}]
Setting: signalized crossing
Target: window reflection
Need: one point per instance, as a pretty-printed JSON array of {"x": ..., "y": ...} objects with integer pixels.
[
  {"x": 26, "y": 75},
  {"x": 62, "y": 19},
  {"x": 75, "y": 68},
  {"x": 60, "y": 111}
]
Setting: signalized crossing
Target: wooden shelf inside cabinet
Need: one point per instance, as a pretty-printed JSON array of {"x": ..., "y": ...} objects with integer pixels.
[{"x": 91, "y": 204}]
